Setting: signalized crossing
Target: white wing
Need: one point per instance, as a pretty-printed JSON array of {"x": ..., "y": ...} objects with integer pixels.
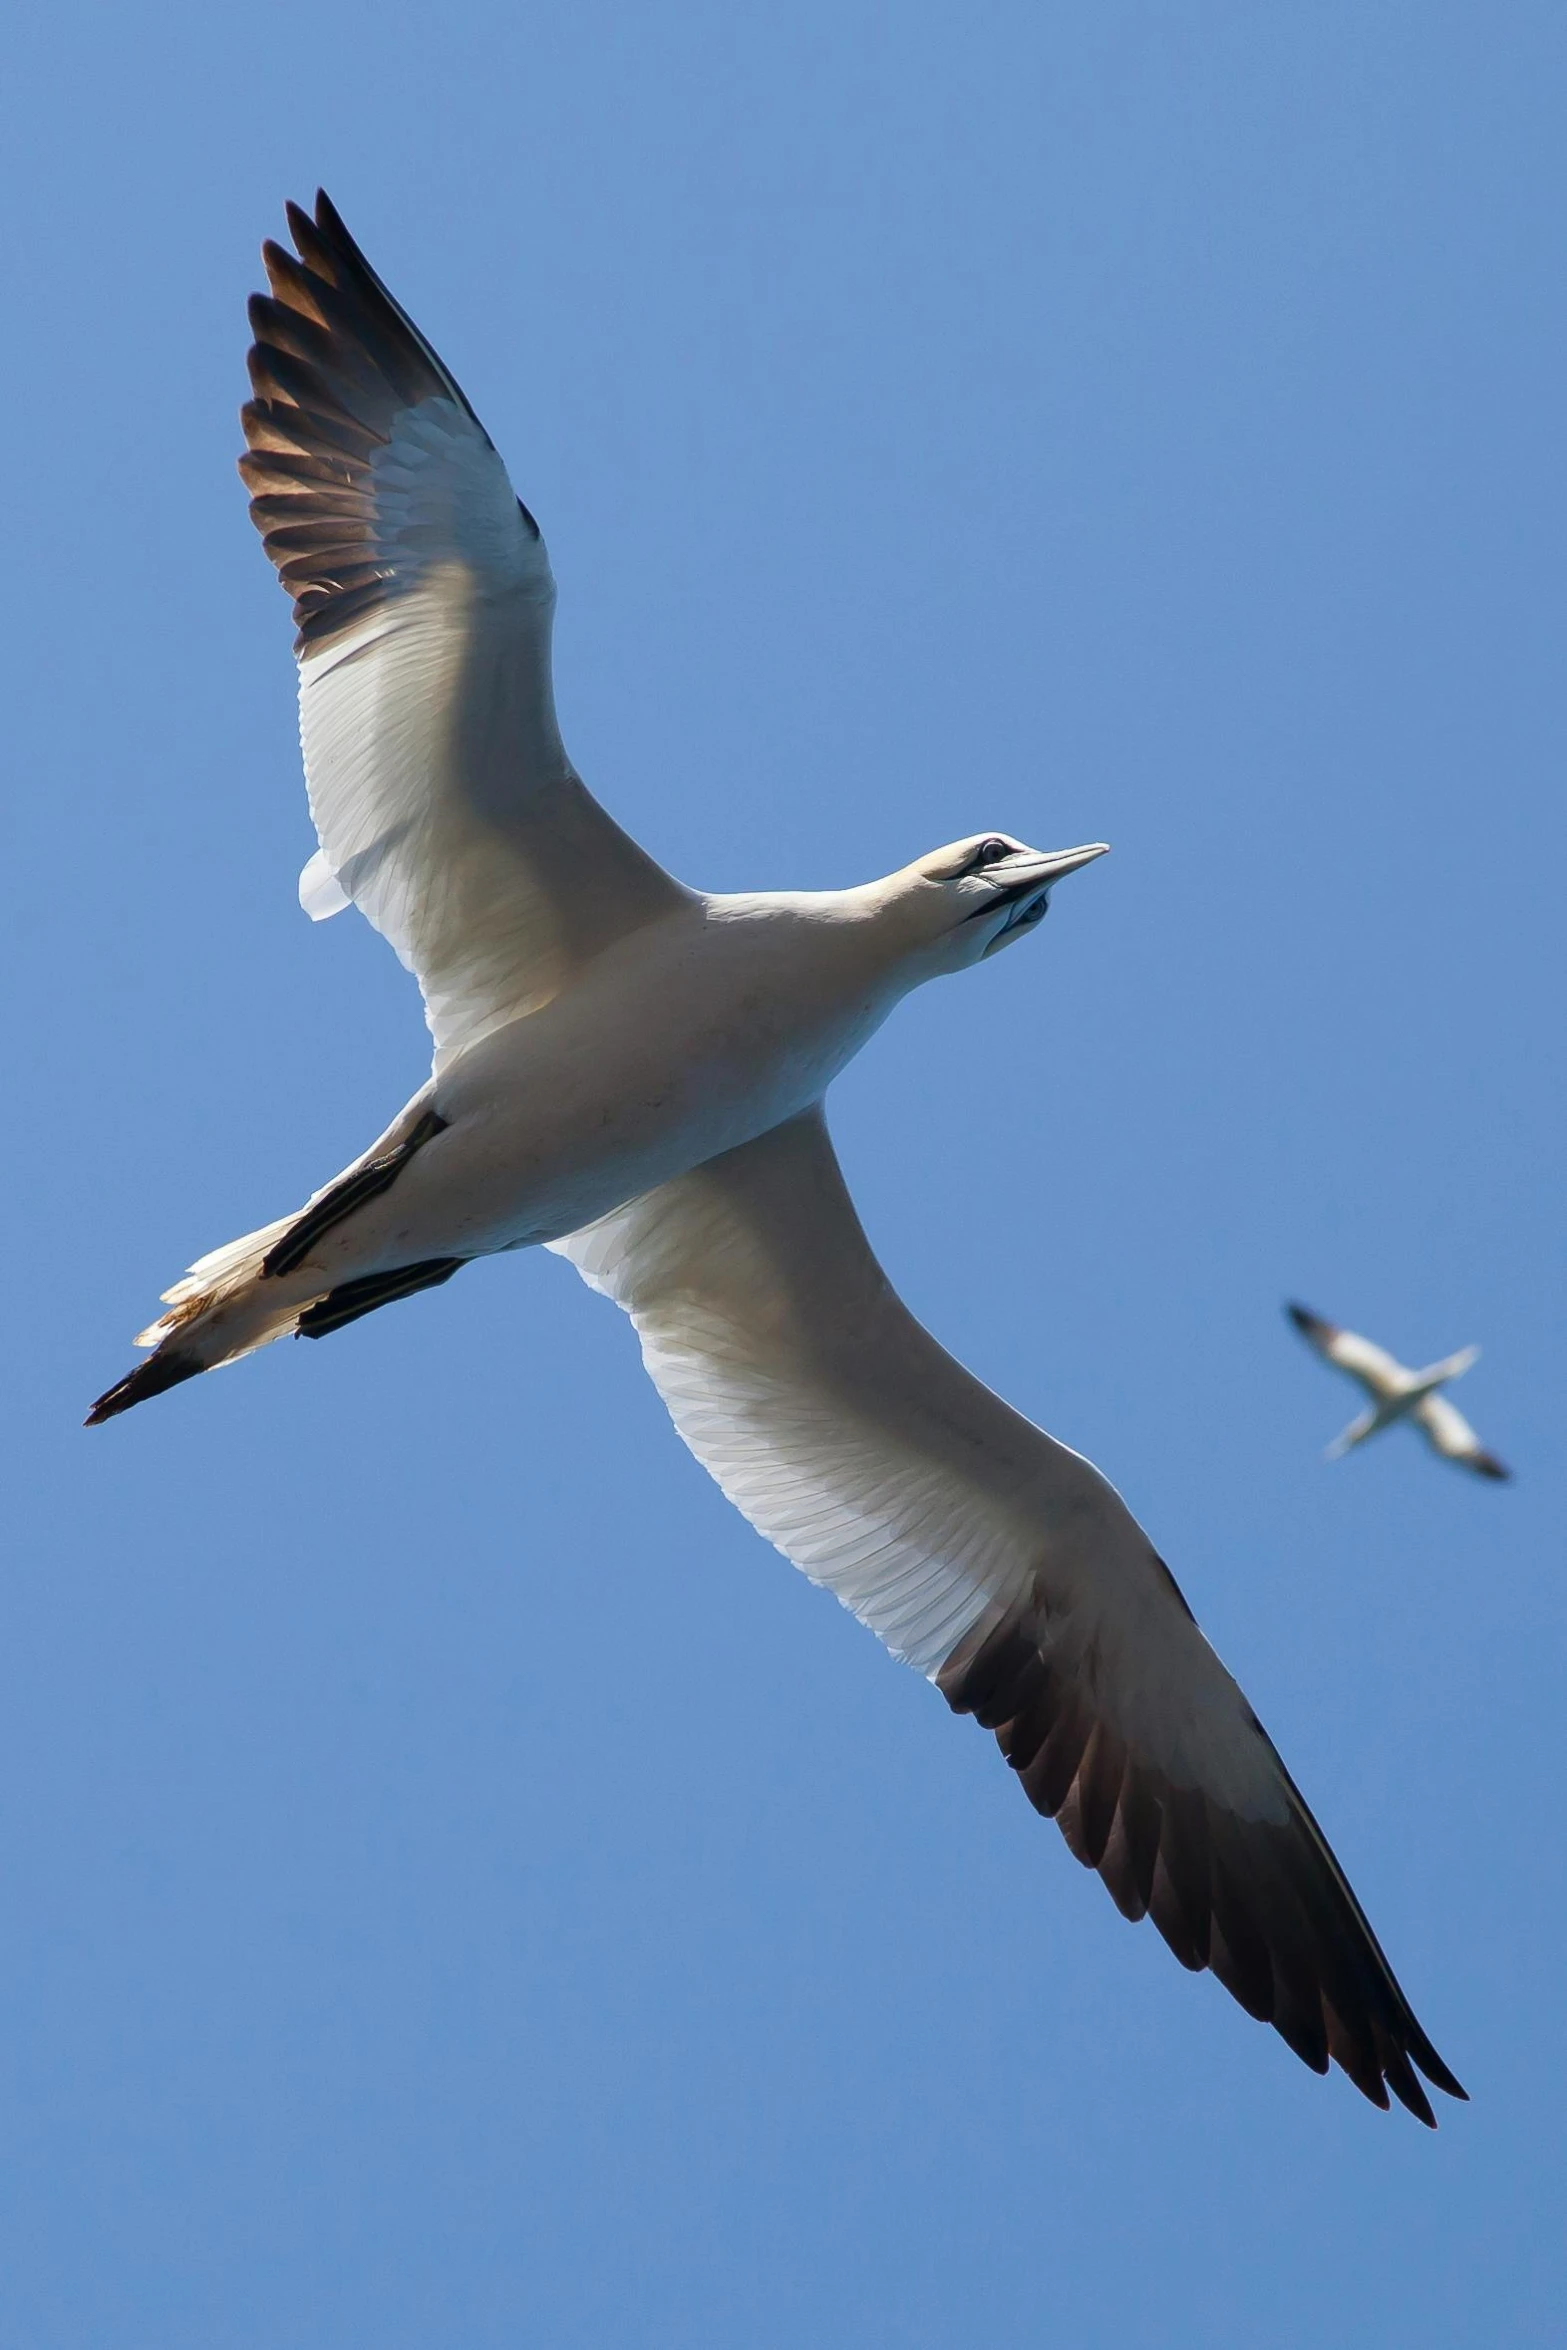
[
  {"x": 1378, "y": 1372},
  {"x": 1451, "y": 1435},
  {"x": 443, "y": 799},
  {"x": 1004, "y": 1567}
]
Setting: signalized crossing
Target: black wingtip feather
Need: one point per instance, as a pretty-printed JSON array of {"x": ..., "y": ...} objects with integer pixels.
[
  {"x": 1436, "y": 2072},
  {"x": 1265, "y": 1905},
  {"x": 1399, "y": 2074},
  {"x": 331, "y": 224}
]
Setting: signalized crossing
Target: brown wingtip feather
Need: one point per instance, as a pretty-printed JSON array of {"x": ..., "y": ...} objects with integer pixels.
[
  {"x": 1266, "y": 1907},
  {"x": 156, "y": 1376},
  {"x": 335, "y": 364}
]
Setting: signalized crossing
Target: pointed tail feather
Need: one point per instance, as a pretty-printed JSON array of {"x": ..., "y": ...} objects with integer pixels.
[
  {"x": 250, "y": 1307},
  {"x": 220, "y": 1310},
  {"x": 167, "y": 1368}
]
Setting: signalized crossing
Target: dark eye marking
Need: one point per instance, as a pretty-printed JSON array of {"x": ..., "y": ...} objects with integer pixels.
[{"x": 989, "y": 852}]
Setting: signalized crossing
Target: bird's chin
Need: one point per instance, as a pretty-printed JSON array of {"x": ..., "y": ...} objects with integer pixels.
[{"x": 1021, "y": 918}]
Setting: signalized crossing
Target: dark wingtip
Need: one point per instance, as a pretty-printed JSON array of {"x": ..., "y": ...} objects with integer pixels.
[
  {"x": 1486, "y": 1464},
  {"x": 1436, "y": 2072},
  {"x": 1402, "y": 2080},
  {"x": 1392, "y": 2066},
  {"x": 153, "y": 1377},
  {"x": 1440, "y": 2078},
  {"x": 1315, "y": 1328},
  {"x": 330, "y": 224}
]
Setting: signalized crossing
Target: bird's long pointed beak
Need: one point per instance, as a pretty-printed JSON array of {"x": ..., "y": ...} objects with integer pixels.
[
  {"x": 1051, "y": 865},
  {"x": 1034, "y": 873},
  {"x": 1022, "y": 884}
]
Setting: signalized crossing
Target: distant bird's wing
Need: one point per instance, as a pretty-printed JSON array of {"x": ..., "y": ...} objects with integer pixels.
[
  {"x": 1378, "y": 1372},
  {"x": 443, "y": 799},
  {"x": 1451, "y": 1435},
  {"x": 1005, "y": 1568}
]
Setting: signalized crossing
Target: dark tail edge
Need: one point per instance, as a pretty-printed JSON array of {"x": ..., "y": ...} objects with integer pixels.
[
  {"x": 153, "y": 1377},
  {"x": 170, "y": 1366}
]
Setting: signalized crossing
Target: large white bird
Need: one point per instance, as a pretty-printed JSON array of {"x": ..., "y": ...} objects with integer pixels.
[
  {"x": 1397, "y": 1393},
  {"x": 632, "y": 1072}
]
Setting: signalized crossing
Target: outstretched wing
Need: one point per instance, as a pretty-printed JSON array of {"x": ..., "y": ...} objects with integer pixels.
[
  {"x": 446, "y": 807},
  {"x": 1451, "y": 1435},
  {"x": 1377, "y": 1371},
  {"x": 1005, "y": 1568}
]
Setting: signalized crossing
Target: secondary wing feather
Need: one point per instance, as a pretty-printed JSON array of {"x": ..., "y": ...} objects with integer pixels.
[
  {"x": 443, "y": 799},
  {"x": 1004, "y": 1567}
]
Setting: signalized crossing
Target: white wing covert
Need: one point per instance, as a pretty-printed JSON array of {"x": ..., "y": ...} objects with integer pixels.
[
  {"x": 1004, "y": 1567},
  {"x": 443, "y": 799}
]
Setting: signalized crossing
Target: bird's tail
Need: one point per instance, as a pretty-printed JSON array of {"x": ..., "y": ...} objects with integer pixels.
[
  {"x": 222, "y": 1309},
  {"x": 237, "y": 1299},
  {"x": 272, "y": 1282}
]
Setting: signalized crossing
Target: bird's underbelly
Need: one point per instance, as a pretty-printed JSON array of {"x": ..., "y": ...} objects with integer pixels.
[{"x": 547, "y": 1131}]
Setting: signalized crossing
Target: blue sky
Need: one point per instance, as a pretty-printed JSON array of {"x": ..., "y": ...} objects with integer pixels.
[{"x": 456, "y": 1884}]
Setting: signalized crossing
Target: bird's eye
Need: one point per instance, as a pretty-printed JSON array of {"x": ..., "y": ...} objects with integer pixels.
[{"x": 989, "y": 852}]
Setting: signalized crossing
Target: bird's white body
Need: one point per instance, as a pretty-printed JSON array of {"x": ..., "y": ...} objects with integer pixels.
[
  {"x": 696, "y": 1034},
  {"x": 632, "y": 1072},
  {"x": 717, "y": 1021},
  {"x": 1401, "y": 1401}
]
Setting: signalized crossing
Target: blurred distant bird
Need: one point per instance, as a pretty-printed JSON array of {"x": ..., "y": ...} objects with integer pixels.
[
  {"x": 1399, "y": 1394},
  {"x": 632, "y": 1072}
]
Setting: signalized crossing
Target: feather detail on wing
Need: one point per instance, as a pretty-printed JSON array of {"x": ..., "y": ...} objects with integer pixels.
[
  {"x": 445, "y": 805},
  {"x": 1004, "y": 1567}
]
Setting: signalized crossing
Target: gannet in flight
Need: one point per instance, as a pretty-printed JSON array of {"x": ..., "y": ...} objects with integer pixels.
[
  {"x": 631, "y": 1072},
  {"x": 1398, "y": 1393}
]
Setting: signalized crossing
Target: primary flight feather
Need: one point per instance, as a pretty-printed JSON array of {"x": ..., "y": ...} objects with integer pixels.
[{"x": 632, "y": 1072}]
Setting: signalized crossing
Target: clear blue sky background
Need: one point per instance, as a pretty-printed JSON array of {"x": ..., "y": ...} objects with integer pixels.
[{"x": 457, "y": 1885}]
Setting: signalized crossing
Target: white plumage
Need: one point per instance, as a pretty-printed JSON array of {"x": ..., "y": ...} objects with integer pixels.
[{"x": 632, "y": 1072}]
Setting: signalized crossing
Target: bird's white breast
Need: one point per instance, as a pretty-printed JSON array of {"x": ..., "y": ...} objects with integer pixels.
[{"x": 682, "y": 1041}]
